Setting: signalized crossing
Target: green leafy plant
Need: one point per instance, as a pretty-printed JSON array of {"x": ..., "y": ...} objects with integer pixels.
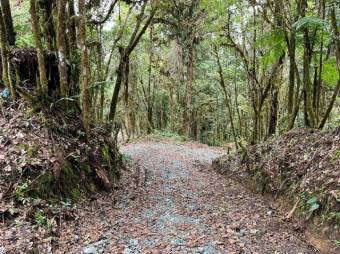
[
  {"x": 335, "y": 157},
  {"x": 313, "y": 204},
  {"x": 337, "y": 242},
  {"x": 40, "y": 219},
  {"x": 106, "y": 153},
  {"x": 20, "y": 191},
  {"x": 18, "y": 222},
  {"x": 66, "y": 204},
  {"x": 126, "y": 159},
  {"x": 310, "y": 22}
]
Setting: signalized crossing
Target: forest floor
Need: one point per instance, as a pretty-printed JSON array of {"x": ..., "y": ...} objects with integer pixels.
[{"x": 169, "y": 201}]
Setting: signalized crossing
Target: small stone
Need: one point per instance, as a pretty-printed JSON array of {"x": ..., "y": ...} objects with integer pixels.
[
  {"x": 90, "y": 250},
  {"x": 127, "y": 251},
  {"x": 200, "y": 250},
  {"x": 253, "y": 231},
  {"x": 242, "y": 232},
  {"x": 235, "y": 226},
  {"x": 76, "y": 238},
  {"x": 101, "y": 242},
  {"x": 2, "y": 250}
]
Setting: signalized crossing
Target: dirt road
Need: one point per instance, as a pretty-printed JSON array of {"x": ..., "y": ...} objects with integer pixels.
[
  {"x": 172, "y": 202},
  {"x": 184, "y": 207}
]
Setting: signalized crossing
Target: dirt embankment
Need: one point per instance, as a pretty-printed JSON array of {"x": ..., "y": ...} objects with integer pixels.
[
  {"x": 301, "y": 170},
  {"x": 45, "y": 156}
]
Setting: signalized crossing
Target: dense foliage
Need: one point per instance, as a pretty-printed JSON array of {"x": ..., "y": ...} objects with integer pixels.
[
  {"x": 80, "y": 77},
  {"x": 216, "y": 71}
]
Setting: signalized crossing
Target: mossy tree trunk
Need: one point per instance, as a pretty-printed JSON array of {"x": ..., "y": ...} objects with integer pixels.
[
  {"x": 119, "y": 80},
  {"x": 72, "y": 52},
  {"x": 101, "y": 79},
  {"x": 40, "y": 50},
  {"x": 310, "y": 120},
  {"x": 122, "y": 71},
  {"x": 72, "y": 30},
  {"x": 48, "y": 24},
  {"x": 8, "y": 21},
  {"x": 188, "y": 117},
  {"x": 291, "y": 86},
  {"x": 61, "y": 43},
  {"x": 149, "y": 93},
  {"x": 6, "y": 75},
  {"x": 85, "y": 68},
  {"x": 227, "y": 96},
  {"x": 275, "y": 87}
]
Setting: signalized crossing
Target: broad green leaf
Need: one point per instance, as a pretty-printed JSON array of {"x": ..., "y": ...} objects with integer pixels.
[
  {"x": 314, "y": 207},
  {"x": 312, "y": 200}
]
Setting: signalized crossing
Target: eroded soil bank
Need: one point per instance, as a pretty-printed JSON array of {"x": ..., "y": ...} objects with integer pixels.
[
  {"x": 300, "y": 171},
  {"x": 173, "y": 202}
]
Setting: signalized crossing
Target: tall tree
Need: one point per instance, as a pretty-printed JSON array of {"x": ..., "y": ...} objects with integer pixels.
[
  {"x": 4, "y": 54},
  {"x": 85, "y": 67},
  {"x": 7, "y": 14},
  {"x": 48, "y": 23},
  {"x": 43, "y": 82},
  {"x": 123, "y": 67},
  {"x": 62, "y": 52},
  {"x": 310, "y": 120}
]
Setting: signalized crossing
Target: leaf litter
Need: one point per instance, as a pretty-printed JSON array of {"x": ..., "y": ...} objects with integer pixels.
[{"x": 169, "y": 200}]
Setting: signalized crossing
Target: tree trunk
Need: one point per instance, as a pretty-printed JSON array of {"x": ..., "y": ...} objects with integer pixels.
[
  {"x": 5, "y": 57},
  {"x": 257, "y": 112},
  {"x": 124, "y": 58},
  {"x": 227, "y": 97},
  {"x": 73, "y": 56},
  {"x": 126, "y": 80},
  {"x": 318, "y": 88},
  {"x": 274, "y": 105},
  {"x": 291, "y": 87},
  {"x": 308, "y": 105},
  {"x": 273, "y": 112},
  {"x": 315, "y": 90},
  {"x": 72, "y": 31},
  {"x": 119, "y": 80},
  {"x": 188, "y": 110},
  {"x": 237, "y": 105},
  {"x": 101, "y": 79},
  {"x": 7, "y": 16},
  {"x": 48, "y": 25},
  {"x": 149, "y": 95},
  {"x": 61, "y": 42},
  {"x": 40, "y": 50},
  {"x": 86, "y": 72}
]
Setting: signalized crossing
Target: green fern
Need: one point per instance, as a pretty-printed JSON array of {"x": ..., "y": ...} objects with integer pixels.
[{"x": 311, "y": 22}]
